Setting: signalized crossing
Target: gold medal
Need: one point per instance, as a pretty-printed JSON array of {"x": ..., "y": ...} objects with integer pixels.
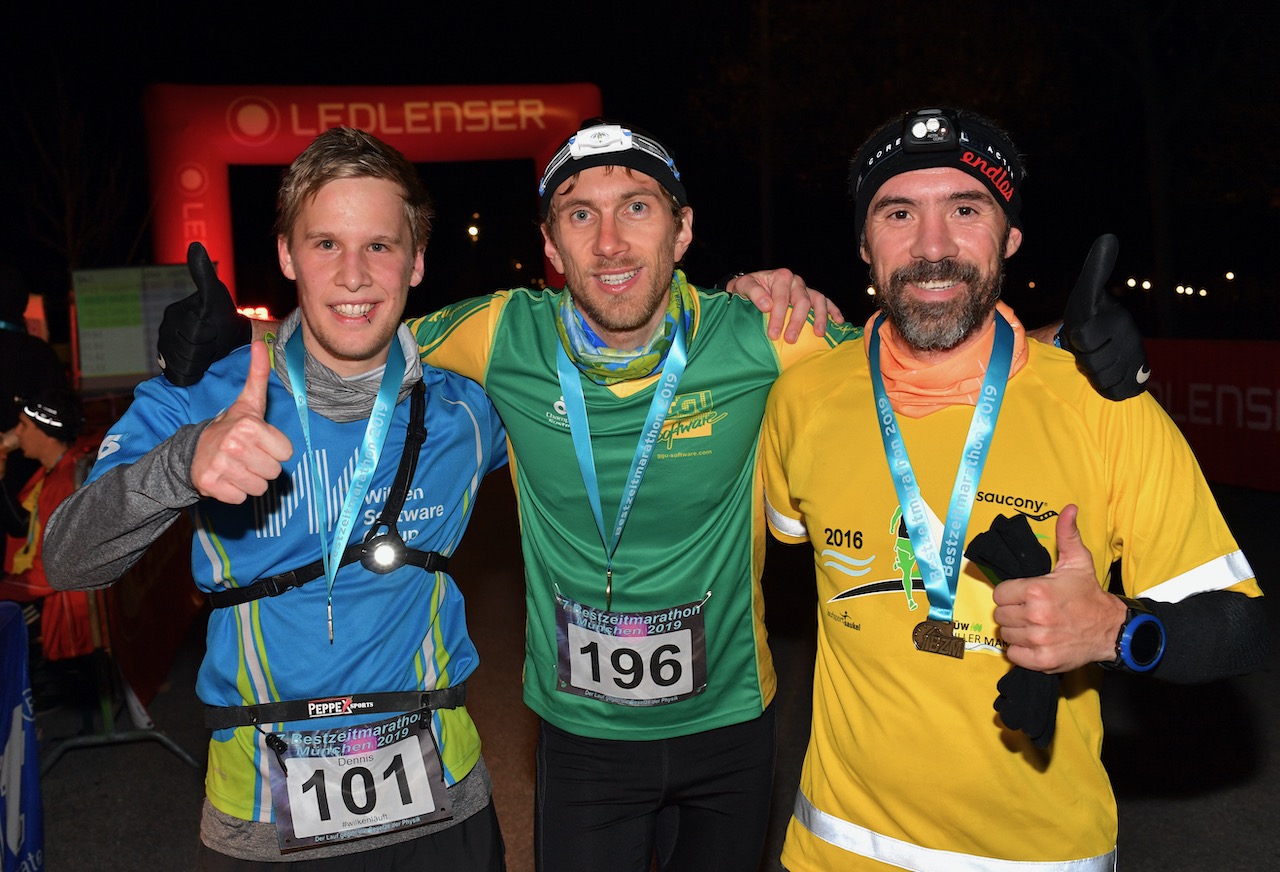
[{"x": 936, "y": 637}]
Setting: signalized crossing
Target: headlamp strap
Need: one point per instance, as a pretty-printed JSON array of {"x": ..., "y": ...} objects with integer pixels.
[
  {"x": 415, "y": 436},
  {"x": 431, "y": 561},
  {"x": 274, "y": 585}
]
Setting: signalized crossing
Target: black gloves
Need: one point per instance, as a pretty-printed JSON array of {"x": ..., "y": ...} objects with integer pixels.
[
  {"x": 1100, "y": 332},
  {"x": 1028, "y": 700},
  {"x": 201, "y": 328}
]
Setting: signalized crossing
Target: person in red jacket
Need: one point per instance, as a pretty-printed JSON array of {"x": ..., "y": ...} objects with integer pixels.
[{"x": 47, "y": 431}]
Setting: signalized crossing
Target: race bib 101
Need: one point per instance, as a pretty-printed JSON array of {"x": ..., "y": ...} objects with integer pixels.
[{"x": 345, "y": 783}]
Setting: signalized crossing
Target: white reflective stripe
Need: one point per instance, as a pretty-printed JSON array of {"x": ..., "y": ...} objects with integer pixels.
[
  {"x": 905, "y": 855},
  {"x": 1217, "y": 574},
  {"x": 784, "y": 525}
]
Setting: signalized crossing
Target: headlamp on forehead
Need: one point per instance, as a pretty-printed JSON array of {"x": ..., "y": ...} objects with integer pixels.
[
  {"x": 929, "y": 130},
  {"x": 938, "y": 137},
  {"x": 604, "y": 139},
  {"x": 602, "y": 144},
  {"x": 42, "y": 413},
  {"x": 599, "y": 139}
]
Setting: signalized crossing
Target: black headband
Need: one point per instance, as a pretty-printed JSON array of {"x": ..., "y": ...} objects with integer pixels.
[
  {"x": 938, "y": 138},
  {"x": 55, "y": 413},
  {"x": 600, "y": 144}
]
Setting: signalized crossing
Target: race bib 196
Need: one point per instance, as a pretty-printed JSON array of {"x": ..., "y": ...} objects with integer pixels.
[
  {"x": 354, "y": 782},
  {"x": 631, "y": 658}
]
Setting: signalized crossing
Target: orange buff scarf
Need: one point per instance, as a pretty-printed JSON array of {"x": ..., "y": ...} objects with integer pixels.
[{"x": 917, "y": 388}]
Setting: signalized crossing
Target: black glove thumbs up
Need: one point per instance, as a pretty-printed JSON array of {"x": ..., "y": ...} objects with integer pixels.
[
  {"x": 1100, "y": 332},
  {"x": 202, "y": 327}
]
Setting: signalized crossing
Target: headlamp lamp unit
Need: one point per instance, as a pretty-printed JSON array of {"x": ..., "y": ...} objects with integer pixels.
[{"x": 929, "y": 130}]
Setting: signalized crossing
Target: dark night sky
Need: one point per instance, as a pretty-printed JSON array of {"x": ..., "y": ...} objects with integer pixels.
[{"x": 762, "y": 104}]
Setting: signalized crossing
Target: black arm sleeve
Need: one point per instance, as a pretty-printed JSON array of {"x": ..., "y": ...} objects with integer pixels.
[{"x": 1210, "y": 636}]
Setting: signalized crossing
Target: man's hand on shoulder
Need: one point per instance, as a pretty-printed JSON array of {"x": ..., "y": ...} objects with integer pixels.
[
  {"x": 775, "y": 290},
  {"x": 201, "y": 328},
  {"x": 240, "y": 454}
]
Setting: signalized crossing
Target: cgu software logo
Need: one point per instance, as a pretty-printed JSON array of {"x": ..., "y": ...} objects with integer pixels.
[{"x": 690, "y": 416}]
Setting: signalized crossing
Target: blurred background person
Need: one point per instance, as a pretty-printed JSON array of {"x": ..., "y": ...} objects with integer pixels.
[
  {"x": 47, "y": 433},
  {"x": 28, "y": 365}
]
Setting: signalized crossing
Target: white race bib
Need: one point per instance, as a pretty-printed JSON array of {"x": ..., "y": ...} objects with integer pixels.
[
  {"x": 345, "y": 783},
  {"x": 631, "y": 658}
]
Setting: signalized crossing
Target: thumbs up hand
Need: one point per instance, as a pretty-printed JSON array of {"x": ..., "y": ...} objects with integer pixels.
[
  {"x": 1101, "y": 332},
  {"x": 239, "y": 454},
  {"x": 1065, "y": 619},
  {"x": 200, "y": 328}
]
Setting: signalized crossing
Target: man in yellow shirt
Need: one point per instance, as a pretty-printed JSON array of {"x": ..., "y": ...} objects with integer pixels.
[{"x": 908, "y": 766}]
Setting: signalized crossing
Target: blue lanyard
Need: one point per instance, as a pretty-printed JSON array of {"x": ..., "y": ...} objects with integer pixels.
[
  {"x": 579, "y": 429},
  {"x": 375, "y": 436},
  {"x": 942, "y": 571}
]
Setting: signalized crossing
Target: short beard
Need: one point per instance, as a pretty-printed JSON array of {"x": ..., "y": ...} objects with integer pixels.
[
  {"x": 624, "y": 318},
  {"x": 926, "y": 326}
]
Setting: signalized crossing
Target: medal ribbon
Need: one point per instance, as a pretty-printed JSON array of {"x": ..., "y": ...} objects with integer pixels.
[
  {"x": 576, "y": 410},
  {"x": 941, "y": 571},
  {"x": 375, "y": 437}
]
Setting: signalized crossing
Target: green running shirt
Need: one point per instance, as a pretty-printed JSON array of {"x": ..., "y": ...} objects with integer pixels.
[{"x": 696, "y": 529}]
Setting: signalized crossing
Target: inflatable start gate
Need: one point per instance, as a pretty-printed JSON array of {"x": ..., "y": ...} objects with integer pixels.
[{"x": 194, "y": 133}]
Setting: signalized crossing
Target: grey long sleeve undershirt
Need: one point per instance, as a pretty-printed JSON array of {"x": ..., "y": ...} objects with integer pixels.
[
  {"x": 102, "y": 530},
  {"x": 99, "y": 532}
]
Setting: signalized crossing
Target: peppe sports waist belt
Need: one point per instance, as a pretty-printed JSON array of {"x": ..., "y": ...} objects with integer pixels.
[{"x": 222, "y": 717}]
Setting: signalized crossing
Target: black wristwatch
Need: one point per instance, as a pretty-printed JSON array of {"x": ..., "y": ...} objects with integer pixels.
[{"x": 1140, "y": 644}]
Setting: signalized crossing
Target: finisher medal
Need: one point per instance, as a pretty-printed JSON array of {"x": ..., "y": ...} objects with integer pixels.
[
  {"x": 936, "y": 637},
  {"x": 942, "y": 575}
]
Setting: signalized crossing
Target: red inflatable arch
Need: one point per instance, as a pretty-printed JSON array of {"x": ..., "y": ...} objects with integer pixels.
[{"x": 194, "y": 133}]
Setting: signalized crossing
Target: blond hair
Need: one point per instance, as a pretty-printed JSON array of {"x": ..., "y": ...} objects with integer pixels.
[{"x": 347, "y": 153}]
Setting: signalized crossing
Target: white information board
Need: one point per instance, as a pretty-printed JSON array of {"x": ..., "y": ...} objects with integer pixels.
[{"x": 117, "y": 322}]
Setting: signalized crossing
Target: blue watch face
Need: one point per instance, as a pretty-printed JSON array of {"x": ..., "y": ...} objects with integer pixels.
[{"x": 1142, "y": 642}]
